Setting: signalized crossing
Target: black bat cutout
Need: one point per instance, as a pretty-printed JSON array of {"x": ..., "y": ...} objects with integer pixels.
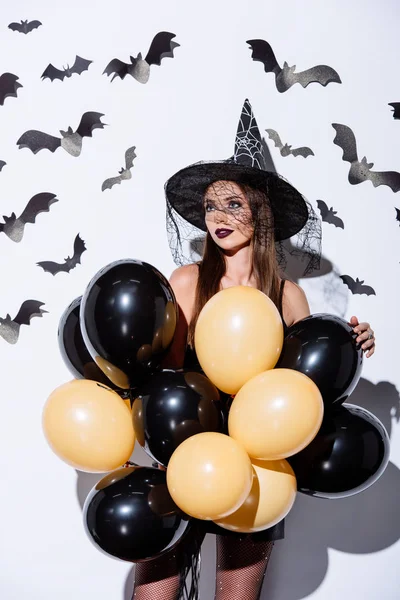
[
  {"x": 69, "y": 263},
  {"x": 14, "y": 226},
  {"x": 361, "y": 170},
  {"x": 357, "y": 286},
  {"x": 80, "y": 65},
  {"x": 328, "y": 215},
  {"x": 9, "y": 328},
  {"x": 285, "y": 149},
  {"x": 285, "y": 76},
  {"x": 2, "y": 164},
  {"x": 124, "y": 173},
  {"x": 8, "y": 86},
  {"x": 397, "y": 214},
  {"x": 25, "y": 26},
  {"x": 71, "y": 141},
  {"x": 396, "y": 109},
  {"x": 161, "y": 47}
]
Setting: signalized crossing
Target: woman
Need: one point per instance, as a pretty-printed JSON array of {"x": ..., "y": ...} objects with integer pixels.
[{"x": 244, "y": 210}]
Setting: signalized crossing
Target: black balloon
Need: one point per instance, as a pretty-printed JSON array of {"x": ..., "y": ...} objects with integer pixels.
[
  {"x": 171, "y": 407},
  {"x": 323, "y": 347},
  {"x": 128, "y": 320},
  {"x": 72, "y": 347},
  {"x": 130, "y": 514},
  {"x": 349, "y": 453}
]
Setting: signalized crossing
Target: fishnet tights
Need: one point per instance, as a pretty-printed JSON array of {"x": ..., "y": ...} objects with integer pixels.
[
  {"x": 241, "y": 566},
  {"x": 158, "y": 579}
]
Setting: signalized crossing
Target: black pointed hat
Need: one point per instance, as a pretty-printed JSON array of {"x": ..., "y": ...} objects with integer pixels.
[{"x": 185, "y": 190}]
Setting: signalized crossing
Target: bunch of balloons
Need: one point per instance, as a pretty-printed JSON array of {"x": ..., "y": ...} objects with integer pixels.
[
  {"x": 238, "y": 463},
  {"x": 287, "y": 426},
  {"x": 113, "y": 340}
]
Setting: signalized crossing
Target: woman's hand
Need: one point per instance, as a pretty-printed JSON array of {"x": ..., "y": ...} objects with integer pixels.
[{"x": 365, "y": 335}]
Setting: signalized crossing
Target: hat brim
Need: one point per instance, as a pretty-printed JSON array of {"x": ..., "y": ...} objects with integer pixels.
[{"x": 185, "y": 193}]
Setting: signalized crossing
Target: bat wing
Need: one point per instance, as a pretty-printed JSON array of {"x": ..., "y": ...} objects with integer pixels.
[
  {"x": 16, "y": 27},
  {"x": 52, "y": 73},
  {"x": 161, "y": 47},
  {"x": 80, "y": 65},
  {"x": 323, "y": 209},
  {"x": 29, "y": 309},
  {"x": 390, "y": 178},
  {"x": 303, "y": 151},
  {"x": 117, "y": 67},
  {"x": 37, "y": 140},
  {"x": 8, "y": 86},
  {"x": 108, "y": 183},
  {"x": 274, "y": 136},
  {"x": 396, "y": 109},
  {"x": 90, "y": 121},
  {"x": 349, "y": 281},
  {"x": 130, "y": 157},
  {"x": 397, "y": 214},
  {"x": 262, "y": 52},
  {"x": 320, "y": 74},
  {"x": 69, "y": 263},
  {"x": 346, "y": 140},
  {"x": 2, "y": 164},
  {"x": 51, "y": 267},
  {"x": 366, "y": 289},
  {"x": 33, "y": 25},
  {"x": 37, "y": 204}
]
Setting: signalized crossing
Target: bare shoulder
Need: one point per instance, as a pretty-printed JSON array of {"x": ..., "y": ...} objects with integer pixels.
[
  {"x": 185, "y": 276},
  {"x": 184, "y": 282},
  {"x": 295, "y": 303}
]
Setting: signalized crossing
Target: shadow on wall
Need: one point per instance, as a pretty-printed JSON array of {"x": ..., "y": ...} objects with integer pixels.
[{"x": 365, "y": 523}]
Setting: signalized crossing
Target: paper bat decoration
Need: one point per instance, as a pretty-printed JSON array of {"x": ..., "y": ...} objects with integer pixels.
[
  {"x": 8, "y": 86},
  {"x": 286, "y": 77},
  {"x": 357, "y": 286},
  {"x": 13, "y": 227},
  {"x": 397, "y": 214},
  {"x": 71, "y": 141},
  {"x": 328, "y": 215},
  {"x": 9, "y": 328},
  {"x": 361, "y": 171},
  {"x": 123, "y": 173},
  {"x": 80, "y": 65},
  {"x": 396, "y": 109},
  {"x": 285, "y": 149},
  {"x": 69, "y": 263},
  {"x": 25, "y": 26},
  {"x": 161, "y": 47},
  {"x": 2, "y": 164}
]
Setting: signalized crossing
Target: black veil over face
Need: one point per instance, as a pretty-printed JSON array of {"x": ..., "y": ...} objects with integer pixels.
[{"x": 287, "y": 213}]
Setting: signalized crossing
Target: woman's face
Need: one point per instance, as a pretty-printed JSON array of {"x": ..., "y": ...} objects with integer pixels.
[{"x": 228, "y": 215}]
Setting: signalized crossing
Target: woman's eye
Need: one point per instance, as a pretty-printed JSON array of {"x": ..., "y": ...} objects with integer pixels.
[
  {"x": 208, "y": 207},
  {"x": 233, "y": 204}
]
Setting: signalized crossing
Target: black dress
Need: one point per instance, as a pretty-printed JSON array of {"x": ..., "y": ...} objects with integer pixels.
[{"x": 277, "y": 532}]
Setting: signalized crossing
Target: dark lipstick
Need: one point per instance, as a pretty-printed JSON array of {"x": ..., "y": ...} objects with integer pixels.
[{"x": 222, "y": 233}]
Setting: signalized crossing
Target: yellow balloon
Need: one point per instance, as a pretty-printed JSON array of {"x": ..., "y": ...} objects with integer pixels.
[
  {"x": 239, "y": 333},
  {"x": 276, "y": 414},
  {"x": 88, "y": 426},
  {"x": 209, "y": 475},
  {"x": 271, "y": 498}
]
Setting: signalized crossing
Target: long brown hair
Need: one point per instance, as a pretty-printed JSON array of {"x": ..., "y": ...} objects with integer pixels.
[{"x": 264, "y": 266}]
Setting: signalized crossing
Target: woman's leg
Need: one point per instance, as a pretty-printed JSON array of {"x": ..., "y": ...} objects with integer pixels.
[
  {"x": 241, "y": 565},
  {"x": 158, "y": 579}
]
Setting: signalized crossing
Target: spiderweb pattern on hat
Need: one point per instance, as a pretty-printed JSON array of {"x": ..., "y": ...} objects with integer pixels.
[{"x": 288, "y": 213}]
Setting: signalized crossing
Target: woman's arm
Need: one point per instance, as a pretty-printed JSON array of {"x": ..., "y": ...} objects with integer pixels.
[
  {"x": 295, "y": 304},
  {"x": 183, "y": 282}
]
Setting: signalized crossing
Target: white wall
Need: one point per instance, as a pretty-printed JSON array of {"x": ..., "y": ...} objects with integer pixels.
[{"x": 188, "y": 111}]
